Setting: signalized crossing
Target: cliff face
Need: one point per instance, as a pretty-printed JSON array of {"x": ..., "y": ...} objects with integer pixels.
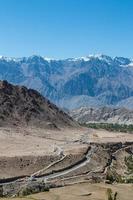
[{"x": 22, "y": 106}]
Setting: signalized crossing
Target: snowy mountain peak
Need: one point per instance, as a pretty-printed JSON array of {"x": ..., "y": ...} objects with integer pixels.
[
  {"x": 90, "y": 80},
  {"x": 47, "y": 59},
  {"x": 9, "y": 59},
  {"x": 119, "y": 60},
  {"x": 122, "y": 60}
]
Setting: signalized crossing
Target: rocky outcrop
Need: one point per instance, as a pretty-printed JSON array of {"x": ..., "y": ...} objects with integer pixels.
[{"x": 103, "y": 115}]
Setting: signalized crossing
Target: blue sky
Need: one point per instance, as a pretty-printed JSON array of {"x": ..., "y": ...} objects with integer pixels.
[{"x": 66, "y": 28}]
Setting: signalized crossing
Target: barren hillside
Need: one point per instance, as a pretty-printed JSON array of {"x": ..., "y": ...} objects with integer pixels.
[
  {"x": 22, "y": 106},
  {"x": 103, "y": 115}
]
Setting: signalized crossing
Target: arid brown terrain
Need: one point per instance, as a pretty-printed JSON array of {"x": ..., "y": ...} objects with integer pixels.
[
  {"x": 62, "y": 157},
  {"x": 41, "y": 145},
  {"x": 84, "y": 191},
  {"x": 26, "y": 107}
]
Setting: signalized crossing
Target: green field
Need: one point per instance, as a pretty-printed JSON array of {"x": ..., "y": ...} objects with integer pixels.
[{"x": 111, "y": 127}]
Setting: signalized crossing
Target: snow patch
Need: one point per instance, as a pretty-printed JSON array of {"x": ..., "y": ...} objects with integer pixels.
[
  {"x": 130, "y": 64},
  {"x": 48, "y": 59}
]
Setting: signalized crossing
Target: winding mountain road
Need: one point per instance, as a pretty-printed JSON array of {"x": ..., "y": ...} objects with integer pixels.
[{"x": 71, "y": 169}]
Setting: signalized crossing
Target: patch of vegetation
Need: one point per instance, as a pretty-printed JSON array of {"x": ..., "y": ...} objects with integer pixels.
[
  {"x": 129, "y": 164},
  {"x": 29, "y": 189},
  {"x": 1, "y": 191},
  {"x": 26, "y": 191},
  {"x": 110, "y": 195},
  {"x": 111, "y": 127},
  {"x": 128, "y": 179},
  {"x": 112, "y": 176}
]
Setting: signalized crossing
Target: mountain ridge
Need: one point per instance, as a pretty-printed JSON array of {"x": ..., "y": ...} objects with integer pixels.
[
  {"x": 103, "y": 115},
  {"x": 20, "y": 106},
  {"x": 102, "y": 80}
]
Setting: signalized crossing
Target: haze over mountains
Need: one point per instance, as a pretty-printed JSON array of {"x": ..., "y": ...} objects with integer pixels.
[{"x": 92, "y": 81}]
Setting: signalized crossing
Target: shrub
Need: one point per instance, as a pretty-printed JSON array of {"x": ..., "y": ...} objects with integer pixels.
[
  {"x": 129, "y": 163},
  {"x": 110, "y": 195}
]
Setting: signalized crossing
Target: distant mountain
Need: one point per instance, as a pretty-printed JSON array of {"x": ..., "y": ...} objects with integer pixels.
[
  {"x": 95, "y": 80},
  {"x": 127, "y": 103},
  {"x": 103, "y": 115},
  {"x": 20, "y": 106}
]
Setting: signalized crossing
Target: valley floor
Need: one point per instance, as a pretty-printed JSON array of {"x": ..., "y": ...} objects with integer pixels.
[
  {"x": 63, "y": 157},
  {"x": 24, "y": 151},
  {"x": 84, "y": 191},
  {"x": 33, "y": 141}
]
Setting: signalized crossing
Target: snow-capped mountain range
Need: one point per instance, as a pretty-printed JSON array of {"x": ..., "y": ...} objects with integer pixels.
[{"x": 94, "y": 80}]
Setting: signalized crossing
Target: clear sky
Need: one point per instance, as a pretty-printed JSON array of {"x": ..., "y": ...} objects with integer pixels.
[{"x": 66, "y": 28}]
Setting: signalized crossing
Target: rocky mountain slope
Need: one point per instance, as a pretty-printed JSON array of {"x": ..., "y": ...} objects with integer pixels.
[
  {"x": 103, "y": 115},
  {"x": 97, "y": 80},
  {"x": 22, "y": 106}
]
